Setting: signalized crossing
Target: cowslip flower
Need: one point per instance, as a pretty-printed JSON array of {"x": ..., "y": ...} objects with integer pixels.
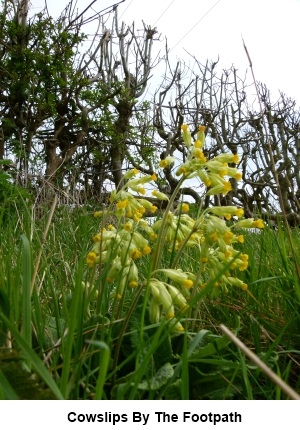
[
  {"x": 178, "y": 298},
  {"x": 214, "y": 166},
  {"x": 225, "y": 210},
  {"x": 166, "y": 162},
  {"x": 249, "y": 223},
  {"x": 162, "y": 297},
  {"x": 205, "y": 178},
  {"x": 212, "y": 237},
  {"x": 91, "y": 259},
  {"x": 159, "y": 195},
  {"x": 198, "y": 154},
  {"x": 234, "y": 173},
  {"x": 227, "y": 158},
  {"x": 182, "y": 170},
  {"x": 114, "y": 270},
  {"x": 130, "y": 173},
  {"x": 176, "y": 275},
  {"x": 222, "y": 188},
  {"x": 201, "y": 135},
  {"x": 134, "y": 183},
  {"x": 186, "y": 134},
  {"x": 154, "y": 311},
  {"x": 237, "y": 282},
  {"x": 183, "y": 207},
  {"x": 122, "y": 204}
]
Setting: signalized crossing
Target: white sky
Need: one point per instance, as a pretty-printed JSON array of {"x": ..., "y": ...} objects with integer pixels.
[{"x": 270, "y": 28}]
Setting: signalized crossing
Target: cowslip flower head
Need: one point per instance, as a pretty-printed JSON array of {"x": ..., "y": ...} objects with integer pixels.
[
  {"x": 154, "y": 311},
  {"x": 92, "y": 259},
  {"x": 124, "y": 247},
  {"x": 249, "y": 223},
  {"x": 227, "y": 210},
  {"x": 184, "y": 207},
  {"x": 227, "y": 158},
  {"x": 222, "y": 188},
  {"x": 201, "y": 134},
  {"x": 198, "y": 154},
  {"x": 166, "y": 162},
  {"x": 186, "y": 134},
  {"x": 131, "y": 173},
  {"x": 162, "y": 297},
  {"x": 178, "y": 298},
  {"x": 159, "y": 195}
]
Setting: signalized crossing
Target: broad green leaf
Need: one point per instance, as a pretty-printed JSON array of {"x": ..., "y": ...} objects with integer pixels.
[{"x": 162, "y": 376}]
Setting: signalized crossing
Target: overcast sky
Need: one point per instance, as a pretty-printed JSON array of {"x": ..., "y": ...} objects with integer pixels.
[{"x": 270, "y": 28}]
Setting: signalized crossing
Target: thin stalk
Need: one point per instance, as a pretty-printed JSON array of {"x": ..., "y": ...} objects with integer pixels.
[
  {"x": 44, "y": 238},
  {"x": 26, "y": 293},
  {"x": 68, "y": 343},
  {"x": 162, "y": 232},
  {"x": 261, "y": 365},
  {"x": 123, "y": 329},
  {"x": 103, "y": 367},
  {"x": 185, "y": 370}
]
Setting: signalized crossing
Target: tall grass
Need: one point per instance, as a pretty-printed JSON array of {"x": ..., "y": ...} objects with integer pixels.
[{"x": 79, "y": 350}]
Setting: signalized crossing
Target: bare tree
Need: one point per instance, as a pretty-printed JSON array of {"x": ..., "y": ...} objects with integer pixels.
[
  {"x": 80, "y": 118},
  {"x": 70, "y": 109},
  {"x": 221, "y": 102}
]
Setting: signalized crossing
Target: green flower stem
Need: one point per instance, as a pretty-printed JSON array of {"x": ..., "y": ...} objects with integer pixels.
[
  {"x": 123, "y": 329},
  {"x": 181, "y": 249},
  {"x": 161, "y": 235}
]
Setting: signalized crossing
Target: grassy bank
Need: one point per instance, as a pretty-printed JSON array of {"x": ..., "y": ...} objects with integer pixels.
[{"x": 66, "y": 340}]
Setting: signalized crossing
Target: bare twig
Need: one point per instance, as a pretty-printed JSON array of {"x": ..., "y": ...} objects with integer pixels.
[{"x": 274, "y": 170}]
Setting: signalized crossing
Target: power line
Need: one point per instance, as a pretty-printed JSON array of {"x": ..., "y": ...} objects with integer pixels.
[
  {"x": 195, "y": 25},
  {"x": 126, "y": 9},
  {"x": 163, "y": 12}
]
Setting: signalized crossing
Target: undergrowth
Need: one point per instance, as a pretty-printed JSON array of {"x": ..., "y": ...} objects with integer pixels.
[{"x": 83, "y": 330}]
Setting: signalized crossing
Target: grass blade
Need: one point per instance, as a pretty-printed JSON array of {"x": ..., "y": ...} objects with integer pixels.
[
  {"x": 103, "y": 367},
  {"x": 35, "y": 361},
  {"x": 6, "y": 390},
  {"x": 261, "y": 365},
  {"x": 26, "y": 293}
]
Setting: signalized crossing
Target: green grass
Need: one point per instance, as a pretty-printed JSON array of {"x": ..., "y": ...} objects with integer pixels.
[{"x": 81, "y": 344}]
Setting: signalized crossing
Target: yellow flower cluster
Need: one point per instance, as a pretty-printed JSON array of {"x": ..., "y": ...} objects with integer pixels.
[
  {"x": 214, "y": 240},
  {"x": 210, "y": 172},
  {"x": 119, "y": 249},
  {"x": 127, "y": 204}
]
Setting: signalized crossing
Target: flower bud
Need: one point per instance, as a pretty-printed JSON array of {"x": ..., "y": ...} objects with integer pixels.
[
  {"x": 159, "y": 195},
  {"x": 186, "y": 134},
  {"x": 166, "y": 162},
  {"x": 228, "y": 158},
  {"x": 154, "y": 311},
  {"x": 131, "y": 173},
  {"x": 201, "y": 134},
  {"x": 177, "y": 297}
]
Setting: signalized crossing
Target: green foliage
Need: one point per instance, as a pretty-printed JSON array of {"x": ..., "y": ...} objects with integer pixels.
[
  {"x": 82, "y": 325},
  {"x": 67, "y": 114},
  {"x": 79, "y": 348},
  {"x": 10, "y": 193},
  {"x": 18, "y": 384}
]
